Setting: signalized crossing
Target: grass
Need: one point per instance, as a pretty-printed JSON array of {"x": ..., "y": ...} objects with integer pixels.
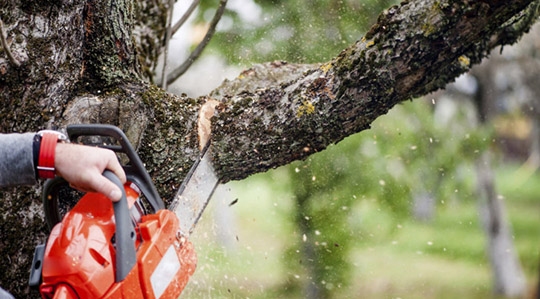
[
  {"x": 395, "y": 272},
  {"x": 392, "y": 258}
]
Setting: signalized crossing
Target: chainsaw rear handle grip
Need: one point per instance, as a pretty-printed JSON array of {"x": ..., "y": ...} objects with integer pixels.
[{"x": 125, "y": 233}]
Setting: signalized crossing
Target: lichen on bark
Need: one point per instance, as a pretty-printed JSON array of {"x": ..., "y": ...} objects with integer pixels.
[
  {"x": 169, "y": 144},
  {"x": 270, "y": 115},
  {"x": 399, "y": 58}
]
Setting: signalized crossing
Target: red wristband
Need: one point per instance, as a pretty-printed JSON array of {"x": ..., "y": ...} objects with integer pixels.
[{"x": 47, "y": 149}]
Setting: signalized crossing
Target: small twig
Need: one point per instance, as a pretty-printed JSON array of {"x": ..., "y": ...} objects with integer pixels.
[
  {"x": 5, "y": 46},
  {"x": 186, "y": 15},
  {"x": 179, "y": 71},
  {"x": 166, "y": 50}
]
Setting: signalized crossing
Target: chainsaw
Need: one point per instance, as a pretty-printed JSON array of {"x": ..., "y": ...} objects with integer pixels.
[{"x": 134, "y": 248}]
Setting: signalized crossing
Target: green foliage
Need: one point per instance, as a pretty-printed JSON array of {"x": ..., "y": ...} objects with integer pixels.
[
  {"x": 303, "y": 31},
  {"x": 406, "y": 151},
  {"x": 431, "y": 153},
  {"x": 443, "y": 259},
  {"x": 320, "y": 249},
  {"x": 354, "y": 196}
]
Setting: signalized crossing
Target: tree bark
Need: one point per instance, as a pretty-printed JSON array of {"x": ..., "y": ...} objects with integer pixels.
[
  {"x": 320, "y": 106},
  {"x": 76, "y": 61}
]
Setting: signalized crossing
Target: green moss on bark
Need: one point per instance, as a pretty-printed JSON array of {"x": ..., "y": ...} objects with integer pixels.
[{"x": 170, "y": 143}]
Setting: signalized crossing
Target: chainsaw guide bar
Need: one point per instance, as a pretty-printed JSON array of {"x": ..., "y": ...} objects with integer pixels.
[
  {"x": 131, "y": 249},
  {"x": 195, "y": 192}
]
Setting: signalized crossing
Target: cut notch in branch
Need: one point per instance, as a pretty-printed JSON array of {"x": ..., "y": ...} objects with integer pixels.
[{"x": 204, "y": 128}]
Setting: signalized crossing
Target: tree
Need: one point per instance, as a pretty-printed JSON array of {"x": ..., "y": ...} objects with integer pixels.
[
  {"x": 66, "y": 62},
  {"x": 508, "y": 276}
]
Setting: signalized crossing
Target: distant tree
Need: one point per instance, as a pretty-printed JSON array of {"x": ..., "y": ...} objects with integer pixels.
[{"x": 66, "y": 62}]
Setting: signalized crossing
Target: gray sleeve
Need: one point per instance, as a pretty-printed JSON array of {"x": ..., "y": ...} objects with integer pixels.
[{"x": 17, "y": 159}]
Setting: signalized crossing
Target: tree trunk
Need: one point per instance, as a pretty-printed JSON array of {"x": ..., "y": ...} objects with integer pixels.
[
  {"x": 508, "y": 277},
  {"x": 538, "y": 284},
  {"x": 75, "y": 61},
  {"x": 423, "y": 206},
  {"x": 534, "y": 150}
]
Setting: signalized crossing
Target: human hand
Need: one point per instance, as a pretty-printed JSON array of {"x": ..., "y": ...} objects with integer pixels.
[{"x": 82, "y": 166}]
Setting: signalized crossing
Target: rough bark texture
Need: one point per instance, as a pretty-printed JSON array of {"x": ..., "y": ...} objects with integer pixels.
[
  {"x": 77, "y": 61},
  {"x": 414, "y": 48}
]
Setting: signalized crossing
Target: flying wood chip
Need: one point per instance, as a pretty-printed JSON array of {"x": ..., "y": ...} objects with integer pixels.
[{"x": 233, "y": 202}]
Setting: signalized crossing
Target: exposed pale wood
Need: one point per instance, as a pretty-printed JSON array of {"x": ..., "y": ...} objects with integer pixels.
[{"x": 83, "y": 55}]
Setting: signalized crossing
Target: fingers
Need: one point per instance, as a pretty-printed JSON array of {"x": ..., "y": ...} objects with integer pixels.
[
  {"x": 100, "y": 184},
  {"x": 115, "y": 167},
  {"x": 82, "y": 166}
]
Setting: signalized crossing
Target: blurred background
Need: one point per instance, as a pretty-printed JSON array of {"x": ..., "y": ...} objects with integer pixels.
[{"x": 439, "y": 199}]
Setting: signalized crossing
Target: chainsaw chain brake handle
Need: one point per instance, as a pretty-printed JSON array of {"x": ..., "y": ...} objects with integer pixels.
[
  {"x": 125, "y": 233},
  {"x": 134, "y": 169}
]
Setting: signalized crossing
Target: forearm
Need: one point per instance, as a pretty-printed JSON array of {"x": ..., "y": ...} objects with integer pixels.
[{"x": 16, "y": 160}]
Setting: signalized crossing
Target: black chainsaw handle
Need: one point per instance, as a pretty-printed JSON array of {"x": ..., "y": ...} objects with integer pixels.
[
  {"x": 135, "y": 170},
  {"x": 125, "y": 233}
]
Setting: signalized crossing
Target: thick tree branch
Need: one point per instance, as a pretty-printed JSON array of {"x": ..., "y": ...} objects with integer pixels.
[
  {"x": 78, "y": 64},
  {"x": 414, "y": 49}
]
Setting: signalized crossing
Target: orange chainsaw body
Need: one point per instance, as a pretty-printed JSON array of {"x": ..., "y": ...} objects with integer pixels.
[{"x": 79, "y": 259}]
